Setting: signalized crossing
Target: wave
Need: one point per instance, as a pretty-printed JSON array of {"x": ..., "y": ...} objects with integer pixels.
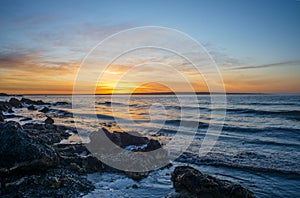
[
  {"x": 186, "y": 123},
  {"x": 215, "y": 161},
  {"x": 269, "y": 104},
  {"x": 293, "y": 113},
  {"x": 109, "y": 103}
]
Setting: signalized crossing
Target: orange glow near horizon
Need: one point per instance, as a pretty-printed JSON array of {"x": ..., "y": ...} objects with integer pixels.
[{"x": 29, "y": 77}]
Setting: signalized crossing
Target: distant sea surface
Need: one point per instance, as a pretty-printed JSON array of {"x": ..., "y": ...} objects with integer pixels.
[{"x": 259, "y": 146}]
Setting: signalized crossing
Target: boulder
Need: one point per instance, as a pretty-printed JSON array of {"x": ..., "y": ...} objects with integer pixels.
[
  {"x": 32, "y": 102},
  {"x": 44, "y": 110},
  {"x": 27, "y": 101},
  {"x": 60, "y": 103},
  {"x": 31, "y": 107},
  {"x": 189, "y": 182},
  {"x": 21, "y": 152},
  {"x": 15, "y": 103},
  {"x": 49, "y": 120},
  {"x": 53, "y": 183},
  {"x": 4, "y": 106},
  {"x": 1, "y": 116}
]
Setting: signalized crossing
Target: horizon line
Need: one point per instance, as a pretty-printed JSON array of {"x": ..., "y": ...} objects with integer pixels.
[{"x": 157, "y": 93}]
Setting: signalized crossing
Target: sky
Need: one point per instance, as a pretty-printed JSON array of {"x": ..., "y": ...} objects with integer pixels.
[{"x": 255, "y": 44}]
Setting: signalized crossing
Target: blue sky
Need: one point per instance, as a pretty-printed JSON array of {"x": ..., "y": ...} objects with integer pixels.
[{"x": 237, "y": 33}]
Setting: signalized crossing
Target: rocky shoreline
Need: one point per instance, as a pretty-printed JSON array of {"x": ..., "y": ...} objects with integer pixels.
[{"x": 34, "y": 162}]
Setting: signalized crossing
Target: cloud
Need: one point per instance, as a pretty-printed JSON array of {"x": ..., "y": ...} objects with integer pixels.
[
  {"x": 16, "y": 62},
  {"x": 267, "y": 65}
]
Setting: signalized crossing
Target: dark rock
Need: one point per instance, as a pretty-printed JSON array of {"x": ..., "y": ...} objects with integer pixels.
[
  {"x": 152, "y": 145},
  {"x": 53, "y": 183},
  {"x": 15, "y": 103},
  {"x": 28, "y": 101},
  {"x": 137, "y": 176},
  {"x": 44, "y": 110},
  {"x": 51, "y": 138},
  {"x": 1, "y": 116},
  {"x": 60, "y": 103},
  {"x": 49, "y": 120},
  {"x": 10, "y": 110},
  {"x": 78, "y": 158},
  {"x": 31, "y": 107},
  {"x": 190, "y": 182},
  {"x": 127, "y": 139},
  {"x": 3, "y": 94},
  {"x": 124, "y": 139},
  {"x": 21, "y": 152},
  {"x": 32, "y": 102},
  {"x": 4, "y": 106},
  {"x": 135, "y": 186},
  {"x": 40, "y": 102}
]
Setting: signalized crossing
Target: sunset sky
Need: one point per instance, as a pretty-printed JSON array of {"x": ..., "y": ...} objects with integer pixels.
[{"x": 256, "y": 44}]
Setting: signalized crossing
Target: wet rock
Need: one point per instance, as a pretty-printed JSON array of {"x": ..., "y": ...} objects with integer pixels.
[
  {"x": 189, "y": 182},
  {"x": 21, "y": 152},
  {"x": 60, "y": 103},
  {"x": 10, "y": 110},
  {"x": 32, "y": 102},
  {"x": 15, "y": 103},
  {"x": 1, "y": 116},
  {"x": 52, "y": 183},
  {"x": 124, "y": 139},
  {"x": 135, "y": 186},
  {"x": 49, "y": 120},
  {"x": 142, "y": 160},
  {"x": 78, "y": 158},
  {"x": 137, "y": 176},
  {"x": 4, "y": 106},
  {"x": 152, "y": 145},
  {"x": 31, "y": 107},
  {"x": 44, "y": 110},
  {"x": 27, "y": 101}
]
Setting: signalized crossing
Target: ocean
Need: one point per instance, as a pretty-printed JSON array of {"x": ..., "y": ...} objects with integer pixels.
[{"x": 258, "y": 147}]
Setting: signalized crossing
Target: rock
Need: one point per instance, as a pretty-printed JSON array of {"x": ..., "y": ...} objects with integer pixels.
[
  {"x": 21, "y": 152},
  {"x": 28, "y": 101},
  {"x": 15, "y": 103},
  {"x": 4, "y": 106},
  {"x": 137, "y": 176},
  {"x": 60, "y": 103},
  {"x": 49, "y": 120},
  {"x": 31, "y": 107},
  {"x": 10, "y": 110},
  {"x": 3, "y": 94},
  {"x": 32, "y": 102},
  {"x": 152, "y": 145},
  {"x": 189, "y": 182},
  {"x": 124, "y": 139},
  {"x": 40, "y": 102},
  {"x": 1, "y": 116},
  {"x": 135, "y": 186},
  {"x": 53, "y": 183},
  {"x": 44, "y": 110}
]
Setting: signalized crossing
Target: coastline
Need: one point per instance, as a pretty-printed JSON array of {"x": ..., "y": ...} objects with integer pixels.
[{"x": 61, "y": 169}]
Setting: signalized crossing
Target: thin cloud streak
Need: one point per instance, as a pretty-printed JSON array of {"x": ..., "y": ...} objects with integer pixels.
[{"x": 267, "y": 65}]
